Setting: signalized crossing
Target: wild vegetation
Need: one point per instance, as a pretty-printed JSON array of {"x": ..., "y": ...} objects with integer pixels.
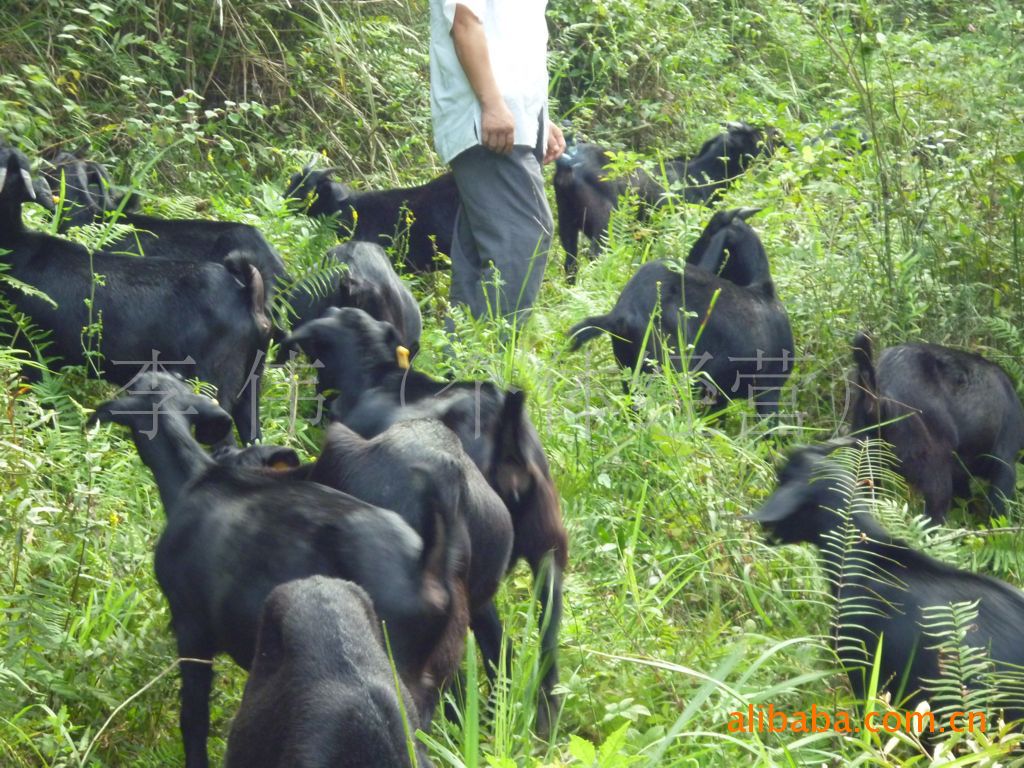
[{"x": 677, "y": 612}]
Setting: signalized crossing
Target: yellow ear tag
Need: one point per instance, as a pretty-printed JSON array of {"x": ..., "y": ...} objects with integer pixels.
[
  {"x": 56, "y": 199},
  {"x": 402, "y": 358}
]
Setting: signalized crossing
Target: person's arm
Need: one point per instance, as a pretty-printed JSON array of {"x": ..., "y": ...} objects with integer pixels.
[{"x": 496, "y": 120}]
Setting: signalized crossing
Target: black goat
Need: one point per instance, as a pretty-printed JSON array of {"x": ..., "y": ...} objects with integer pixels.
[
  {"x": 205, "y": 320},
  {"x": 742, "y": 335},
  {"x": 882, "y": 587},
  {"x": 270, "y": 530},
  {"x": 89, "y": 195},
  {"x": 427, "y": 212},
  {"x": 730, "y": 248},
  {"x": 321, "y": 691},
  {"x": 949, "y": 415},
  {"x": 585, "y": 197},
  {"x": 375, "y": 470},
  {"x": 369, "y": 282},
  {"x": 375, "y": 391}
]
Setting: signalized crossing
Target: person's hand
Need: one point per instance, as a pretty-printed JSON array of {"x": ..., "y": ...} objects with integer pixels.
[
  {"x": 556, "y": 143},
  {"x": 498, "y": 126}
]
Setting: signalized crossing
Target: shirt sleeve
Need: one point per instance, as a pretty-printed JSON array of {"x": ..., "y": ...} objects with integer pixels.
[{"x": 476, "y": 6}]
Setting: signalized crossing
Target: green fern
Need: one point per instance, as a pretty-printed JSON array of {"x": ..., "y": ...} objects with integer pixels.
[{"x": 966, "y": 681}]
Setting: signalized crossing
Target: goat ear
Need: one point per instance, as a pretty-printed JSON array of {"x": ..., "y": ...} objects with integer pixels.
[
  {"x": 301, "y": 337},
  {"x": 781, "y": 504},
  {"x": 711, "y": 257},
  {"x": 863, "y": 360},
  {"x": 18, "y": 164},
  {"x": 341, "y": 440},
  {"x": 211, "y": 422},
  {"x": 122, "y": 410},
  {"x": 44, "y": 195},
  {"x": 96, "y": 176},
  {"x": 282, "y": 458}
]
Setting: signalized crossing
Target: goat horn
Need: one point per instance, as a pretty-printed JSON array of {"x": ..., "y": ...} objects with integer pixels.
[{"x": 27, "y": 178}]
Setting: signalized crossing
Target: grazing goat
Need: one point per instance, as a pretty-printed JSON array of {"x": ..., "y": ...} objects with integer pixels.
[
  {"x": 369, "y": 282},
  {"x": 427, "y": 211},
  {"x": 743, "y": 340},
  {"x": 730, "y": 248},
  {"x": 270, "y": 530},
  {"x": 205, "y": 320},
  {"x": 89, "y": 195},
  {"x": 375, "y": 391},
  {"x": 585, "y": 198},
  {"x": 882, "y": 587},
  {"x": 949, "y": 416},
  {"x": 321, "y": 691}
]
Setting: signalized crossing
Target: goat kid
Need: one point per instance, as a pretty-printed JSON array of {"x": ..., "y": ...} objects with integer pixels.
[{"x": 321, "y": 690}]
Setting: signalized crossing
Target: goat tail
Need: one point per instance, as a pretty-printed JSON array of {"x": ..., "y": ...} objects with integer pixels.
[
  {"x": 764, "y": 289},
  {"x": 590, "y": 328},
  {"x": 863, "y": 358},
  {"x": 443, "y": 561},
  {"x": 246, "y": 273}
]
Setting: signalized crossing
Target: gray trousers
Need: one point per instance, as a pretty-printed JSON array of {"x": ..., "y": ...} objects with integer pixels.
[{"x": 502, "y": 234}]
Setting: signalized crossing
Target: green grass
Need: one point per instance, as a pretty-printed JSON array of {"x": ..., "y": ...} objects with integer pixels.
[{"x": 676, "y": 611}]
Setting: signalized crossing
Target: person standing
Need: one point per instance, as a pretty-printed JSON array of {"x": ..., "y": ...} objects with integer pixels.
[{"x": 488, "y": 93}]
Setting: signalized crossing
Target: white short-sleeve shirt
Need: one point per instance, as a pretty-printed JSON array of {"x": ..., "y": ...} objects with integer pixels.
[{"x": 517, "y": 39}]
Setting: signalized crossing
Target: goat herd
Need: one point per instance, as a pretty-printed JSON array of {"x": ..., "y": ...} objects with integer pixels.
[{"x": 318, "y": 577}]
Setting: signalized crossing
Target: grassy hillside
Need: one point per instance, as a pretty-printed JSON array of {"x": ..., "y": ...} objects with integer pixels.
[{"x": 676, "y": 611}]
